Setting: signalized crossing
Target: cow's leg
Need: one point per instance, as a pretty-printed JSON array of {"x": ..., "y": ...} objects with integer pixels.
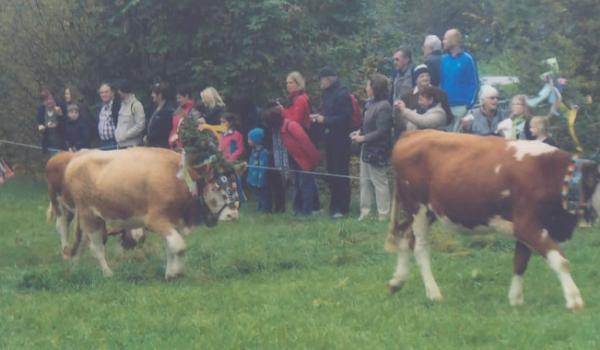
[
  {"x": 175, "y": 254},
  {"x": 93, "y": 227},
  {"x": 174, "y": 243},
  {"x": 520, "y": 260},
  {"x": 62, "y": 226},
  {"x": 421, "y": 231},
  {"x": 403, "y": 265},
  {"x": 540, "y": 241}
]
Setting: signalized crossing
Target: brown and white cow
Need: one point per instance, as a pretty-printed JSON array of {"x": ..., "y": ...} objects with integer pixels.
[
  {"x": 139, "y": 187},
  {"x": 478, "y": 183}
]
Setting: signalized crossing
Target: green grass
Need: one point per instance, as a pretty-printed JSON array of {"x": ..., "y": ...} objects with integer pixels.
[{"x": 274, "y": 282}]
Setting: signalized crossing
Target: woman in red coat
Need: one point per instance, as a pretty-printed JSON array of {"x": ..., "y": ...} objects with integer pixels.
[
  {"x": 185, "y": 102},
  {"x": 299, "y": 110},
  {"x": 304, "y": 157}
]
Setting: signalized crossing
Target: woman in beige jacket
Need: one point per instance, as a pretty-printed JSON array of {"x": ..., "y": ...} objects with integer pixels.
[{"x": 429, "y": 115}]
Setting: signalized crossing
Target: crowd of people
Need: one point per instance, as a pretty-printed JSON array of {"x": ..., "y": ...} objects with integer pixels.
[{"x": 441, "y": 93}]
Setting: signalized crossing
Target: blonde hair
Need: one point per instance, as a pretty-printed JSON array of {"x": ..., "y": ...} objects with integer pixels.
[
  {"x": 542, "y": 124},
  {"x": 522, "y": 99},
  {"x": 297, "y": 78},
  {"x": 211, "y": 98}
]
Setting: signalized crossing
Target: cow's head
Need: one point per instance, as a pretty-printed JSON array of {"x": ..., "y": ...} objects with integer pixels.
[
  {"x": 219, "y": 196},
  {"x": 590, "y": 178}
]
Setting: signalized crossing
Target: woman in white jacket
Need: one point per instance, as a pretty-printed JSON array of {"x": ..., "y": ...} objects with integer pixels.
[{"x": 429, "y": 115}]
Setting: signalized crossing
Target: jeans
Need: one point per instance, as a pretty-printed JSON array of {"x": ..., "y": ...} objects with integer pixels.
[
  {"x": 263, "y": 199},
  {"x": 338, "y": 162},
  {"x": 304, "y": 191}
]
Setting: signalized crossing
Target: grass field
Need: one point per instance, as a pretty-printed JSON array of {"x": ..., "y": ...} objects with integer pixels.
[{"x": 275, "y": 282}]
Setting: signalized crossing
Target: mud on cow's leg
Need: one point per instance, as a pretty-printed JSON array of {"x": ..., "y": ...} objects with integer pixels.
[
  {"x": 540, "y": 241},
  {"x": 520, "y": 261}
]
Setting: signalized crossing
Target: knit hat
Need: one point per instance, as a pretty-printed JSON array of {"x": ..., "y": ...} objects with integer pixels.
[
  {"x": 420, "y": 69},
  {"x": 327, "y": 71},
  {"x": 256, "y": 135}
]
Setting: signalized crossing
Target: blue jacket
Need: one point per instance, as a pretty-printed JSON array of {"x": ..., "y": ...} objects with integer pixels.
[
  {"x": 77, "y": 133},
  {"x": 459, "y": 78},
  {"x": 258, "y": 177}
]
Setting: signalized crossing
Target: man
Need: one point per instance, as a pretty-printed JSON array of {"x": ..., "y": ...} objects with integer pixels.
[
  {"x": 108, "y": 116},
  {"x": 336, "y": 116},
  {"x": 432, "y": 51},
  {"x": 402, "y": 82},
  {"x": 132, "y": 119},
  {"x": 459, "y": 76},
  {"x": 423, "y": 81},
  {"x": 485, "y": 119}
]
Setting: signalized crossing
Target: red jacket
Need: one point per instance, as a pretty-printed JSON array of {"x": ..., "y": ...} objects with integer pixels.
[
  {"x": 299, "y": 146},
  {"x": 177, "y": 116},
  {"x": 232, "y": 145},
  {"x": 299, "y": 111}
]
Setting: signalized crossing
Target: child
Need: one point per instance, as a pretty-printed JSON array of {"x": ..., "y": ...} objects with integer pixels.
[
  {"x": 232, "y": 142},
  {"x": 231, "y": 145},
  {"x": 539, "y": 129},
  {"x": 257, "y": 177},
  {"x": 77, "y": 132}
]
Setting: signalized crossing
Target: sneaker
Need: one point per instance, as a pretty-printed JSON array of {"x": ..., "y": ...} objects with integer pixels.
[{"x": 337, "y": 215}]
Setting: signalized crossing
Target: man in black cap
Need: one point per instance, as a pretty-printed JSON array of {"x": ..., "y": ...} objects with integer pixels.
[
  {"x": 336, "y": 116},
  {"x": 423, "y": 80}
]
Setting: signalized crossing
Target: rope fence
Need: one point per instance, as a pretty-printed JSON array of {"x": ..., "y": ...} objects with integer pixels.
[{"x": 316, "y": 173}]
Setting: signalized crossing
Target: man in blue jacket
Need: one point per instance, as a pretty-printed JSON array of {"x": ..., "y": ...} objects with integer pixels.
[
  {"x": 459, "y": 77},
  {"x": 336, "y": 116}
]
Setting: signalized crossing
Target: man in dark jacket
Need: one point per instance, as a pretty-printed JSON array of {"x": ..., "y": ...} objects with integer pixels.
[
  {"x": 336, "y": 116},
  {"x": 432, "y": 51}
]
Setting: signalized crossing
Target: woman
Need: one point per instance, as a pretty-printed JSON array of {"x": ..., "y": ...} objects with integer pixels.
[
  {"x": 521, "y": 117},
  {"x": 299, "y": 112},
  {"x": 299, "y": 109},
  {"x": 212, "y": 105},
  {"x": 375, "y": 137},
  {"x": 303, "y": 157},
  {"x": 428, "y": 115},
  {"x": 51, "y": 122},
  {"x": 186, "y": 109},
  {"x": 159, "y": 125}
]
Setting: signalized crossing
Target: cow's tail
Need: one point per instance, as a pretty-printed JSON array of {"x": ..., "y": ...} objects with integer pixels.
[
  {"x": 391, "y": 242},
  {"x": 53, "y": 207},
  {"x": 51, "y": 213}
]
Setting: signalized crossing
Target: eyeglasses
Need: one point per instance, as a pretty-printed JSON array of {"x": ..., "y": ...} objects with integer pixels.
[{"x": 493, "y": 97}]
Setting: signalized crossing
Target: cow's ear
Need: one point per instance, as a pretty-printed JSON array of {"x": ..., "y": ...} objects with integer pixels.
[{"x": 240, "y": 168}]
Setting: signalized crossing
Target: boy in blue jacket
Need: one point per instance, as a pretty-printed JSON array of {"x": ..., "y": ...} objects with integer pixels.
[{"x": 257, "y": 176}]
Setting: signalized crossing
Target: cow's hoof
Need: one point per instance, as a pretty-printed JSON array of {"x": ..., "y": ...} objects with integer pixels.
[
  {"x": 434, "y": 296},
  {"x": 173, "y": 276},
  {"x": 393, "y": 289},
  {"x": 517, "y": 301},
  {"x": 391, "y": 244},
  {"x": 107, "y": 273},
  {"x": 575, "y": 306}
]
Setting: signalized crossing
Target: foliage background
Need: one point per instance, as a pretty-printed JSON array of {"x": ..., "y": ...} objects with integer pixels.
[{"x": 245, "y": 48}]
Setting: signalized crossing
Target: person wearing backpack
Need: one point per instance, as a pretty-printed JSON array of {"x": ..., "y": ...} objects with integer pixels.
[
  {"x": 336, "y": 116},
  {"x": 303, "y": 158}
]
